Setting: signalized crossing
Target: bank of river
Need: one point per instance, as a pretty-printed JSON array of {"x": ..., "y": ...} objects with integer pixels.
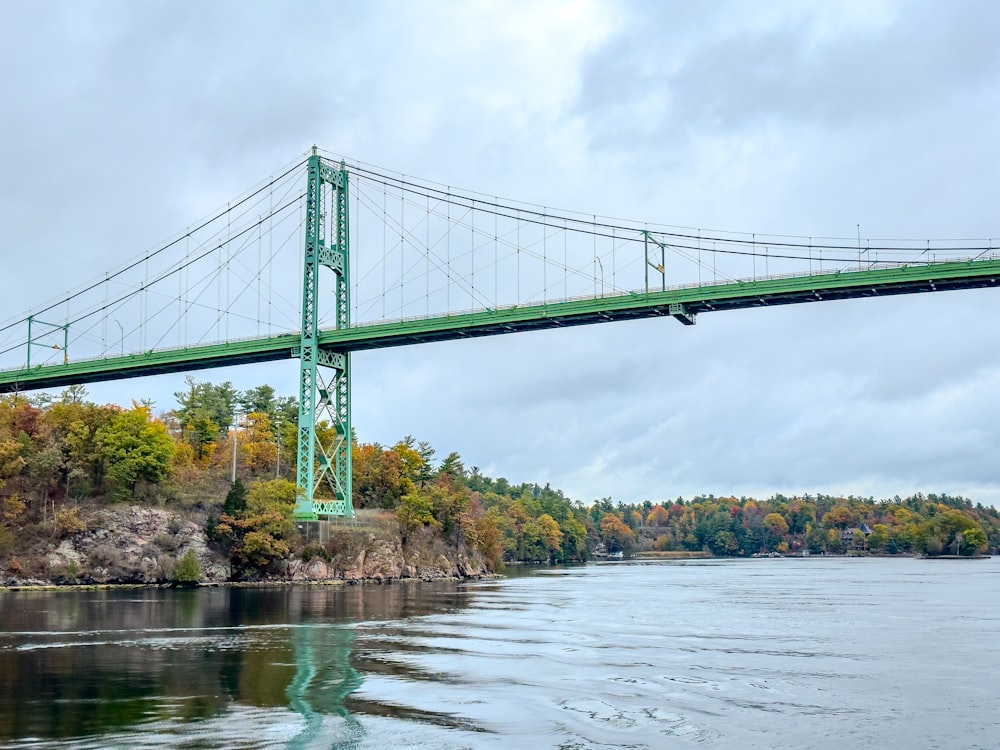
[{"x": 816, "y": 652}]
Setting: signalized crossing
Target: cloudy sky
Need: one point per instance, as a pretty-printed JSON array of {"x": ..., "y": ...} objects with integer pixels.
[{"x": 123, "y": 122}]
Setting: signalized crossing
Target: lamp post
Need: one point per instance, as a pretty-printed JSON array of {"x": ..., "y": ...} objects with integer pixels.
[
  {"x": 236, "y": 440},
  {"x": 122, "y": 330},
  {"x": 601, "y": 266},
  {"x": 277, "y": 449}
]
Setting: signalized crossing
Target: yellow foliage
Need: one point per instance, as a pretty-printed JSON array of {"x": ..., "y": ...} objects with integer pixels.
[
  {"x": 68, "y": 521},
  {"x": 549, "y": 531},
  {"x": 658, "y": 516},
  {"x": 13, "y": 507}
]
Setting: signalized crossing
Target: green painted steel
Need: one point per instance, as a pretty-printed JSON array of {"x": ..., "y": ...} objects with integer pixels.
[
  {"x": 324, "y": 457},
  {"x": 32, "y": 341},
  {"x": 683, "y": 303}
]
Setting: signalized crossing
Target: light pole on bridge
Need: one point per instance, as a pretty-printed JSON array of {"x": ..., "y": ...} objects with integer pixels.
[{"x": 121, "y": 329}]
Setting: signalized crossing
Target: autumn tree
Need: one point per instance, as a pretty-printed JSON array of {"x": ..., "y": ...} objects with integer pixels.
[
  {"x": 134, "y": 447},
  {"x": 776, "y": 527},
  {"x": 617, "y": 537},
  {"x": 258, "y": 535},
  {"x": 551, "y": 535},
  {"x": 658, "y": 516},
  {"x": 257, "y": 445},
  {"x": 204, "y": 413},
  {"x": 381, "y": 478}
]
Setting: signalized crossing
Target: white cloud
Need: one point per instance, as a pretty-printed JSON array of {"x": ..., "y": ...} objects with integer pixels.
[{"x": 127, "y": 122}]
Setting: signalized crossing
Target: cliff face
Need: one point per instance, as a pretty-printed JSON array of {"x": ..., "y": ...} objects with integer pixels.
[
  {"x": 386, "y": 560},
  {"x": 142, "y": 545}
]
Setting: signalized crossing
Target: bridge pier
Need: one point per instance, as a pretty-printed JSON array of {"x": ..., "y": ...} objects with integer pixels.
[{"x": 324, "y": 456}]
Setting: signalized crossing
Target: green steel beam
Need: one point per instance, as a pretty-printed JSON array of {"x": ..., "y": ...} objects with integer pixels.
[
  {"x": 324, "y": 458},
  {"x": 682, "y": 303}
]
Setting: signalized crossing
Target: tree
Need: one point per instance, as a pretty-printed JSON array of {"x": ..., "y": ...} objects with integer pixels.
[
  {"x": 415, "y": 466},
  {"x": 74, "y": 425},
  {"x": 188, "y": 569},
  {"x": 452, "y": 466},
  {"x": 489, "y": 538},
  {"x": 414, "y": 512},
  {"x": 262, "y": 400},
  {"x": 574, "y": 540},
  {"x": 724, "y": 543},
  {"x": 204, "y": 412},
  {"x": 658, "y": 516},
  {"x": 134, "y": 447},
  {"x": 617, "y": 537},
  {"x": 879, "y": 538},
  {"x": 426, "y": 453},
  {"x": 840, "y": 517},
  {"x": 258, "y": 535},
  {"x": 551, "y": 535},
  {"x": 380, "y": 477},
  {"x": 776, "y": 527},
  {"x": 256, "y": 443},
  {"x": 236, "y": 499},
  {"x": 974, "y": 541}
]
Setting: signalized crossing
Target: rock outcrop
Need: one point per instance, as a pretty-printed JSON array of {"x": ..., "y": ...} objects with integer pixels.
[
  {"x": 132, "y": 544},
  {"x": 382, "y": 560}
]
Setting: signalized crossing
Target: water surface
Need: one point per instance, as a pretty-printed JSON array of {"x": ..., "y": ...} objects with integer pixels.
[{"x": 816, "y": 652}]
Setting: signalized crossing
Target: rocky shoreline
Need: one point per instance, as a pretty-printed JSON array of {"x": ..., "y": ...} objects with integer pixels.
[{"x": 136, "y": 545}]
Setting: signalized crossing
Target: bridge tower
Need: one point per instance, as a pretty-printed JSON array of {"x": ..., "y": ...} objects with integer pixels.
[{"x": 324, "y": 456}]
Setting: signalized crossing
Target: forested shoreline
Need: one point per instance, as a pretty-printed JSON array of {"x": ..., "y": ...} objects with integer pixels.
[{"x": 65, "y": 461}]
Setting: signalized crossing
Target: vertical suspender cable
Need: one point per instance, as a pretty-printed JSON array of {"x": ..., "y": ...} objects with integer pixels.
[
  {"x": 699, "y": 257},
  {"x": 565, "y": 260},
  {"x": 447, "y": 285},
  {"x": 260, "y": 240},
  {"x": 355, "y": 237},
  {"x": 385, "y": 224},
  {"x": 472, "y": 255},
  {"x": 104, "y": 317},
  {"x": 496, "y": 258},
  {"x": 402, "y": 229},
  {"x": 229, "y": 255},
  {"x": 427, "y": 258},
  {"x": 614, "y": 265},
  {"x": 270, "y": 253},
  {"x": 545, "y": 256}
]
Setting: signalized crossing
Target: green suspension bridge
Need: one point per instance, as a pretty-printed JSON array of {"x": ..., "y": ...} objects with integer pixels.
[{"x": 386, "y": 260}]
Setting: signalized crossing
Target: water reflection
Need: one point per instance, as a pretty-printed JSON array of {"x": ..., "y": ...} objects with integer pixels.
[
  {"x": 90, "y": 664},
  {"x": 817, "y": 653}
]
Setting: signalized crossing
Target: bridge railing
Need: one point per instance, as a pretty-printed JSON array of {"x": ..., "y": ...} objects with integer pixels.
[{"x": 617, "y": 293}]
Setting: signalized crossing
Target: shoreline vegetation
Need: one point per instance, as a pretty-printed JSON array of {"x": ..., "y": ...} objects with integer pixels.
[{"x": 95, "y": 495}]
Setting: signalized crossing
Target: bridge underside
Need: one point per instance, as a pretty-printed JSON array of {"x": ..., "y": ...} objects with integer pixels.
[{"x": 683, "y": 303}]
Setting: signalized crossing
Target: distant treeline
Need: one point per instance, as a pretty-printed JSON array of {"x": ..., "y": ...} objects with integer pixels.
[{"x": 58, "y": 455}]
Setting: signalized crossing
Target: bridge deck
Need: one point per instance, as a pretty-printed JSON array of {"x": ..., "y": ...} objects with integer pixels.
[{"x": 682, "y": 302}]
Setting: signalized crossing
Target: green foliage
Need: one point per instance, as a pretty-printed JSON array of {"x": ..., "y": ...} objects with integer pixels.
[
  {"x": 134, "y": 447},
  {"x": 204, "y": 412},
  {"x": 188, "y": 569},
  {"x": 277, "y": 495},
  {"x": 6, "y": 541},
  {"x": 236, "y": 499},
  {"x": 380, "y": 477},
  {"x": 724, "y": 526},
  {"x": 257, "y": 535},
  {"x": 55, "y": 450},
  {"x": 415, "y": 511}
]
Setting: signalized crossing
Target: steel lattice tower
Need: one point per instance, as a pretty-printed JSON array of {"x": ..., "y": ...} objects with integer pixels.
[{"x": 329, "y": 396}]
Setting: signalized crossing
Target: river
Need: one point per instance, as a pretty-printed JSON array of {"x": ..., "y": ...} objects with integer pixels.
[{"x": 810, "y": 653}]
